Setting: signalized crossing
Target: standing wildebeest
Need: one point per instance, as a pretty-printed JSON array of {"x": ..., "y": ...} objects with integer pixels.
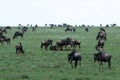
[
  {"x": 8, "y": 27},
  {"x": 101, "y": 35},
  {"x": 74, "y": 56},
  {"x": 68, "y": 29},
  {"x": 86, "y": 29},
  {"x": 103, "y": 57},
  {"x": 75, "y": 43},
  {"x": 68, "y": 41},
  {"x": 100, "y": 44},
  {"x": 46, "y": 43},
  {"x": 24, "y": 29},
  {"x": 3, "y": 30},
  {"x": 6, "y": 39},
  {"x": 18, "y": 34},
  {"x": 19, "y": 48}
]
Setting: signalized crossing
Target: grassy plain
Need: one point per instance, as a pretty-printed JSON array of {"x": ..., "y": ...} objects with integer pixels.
[{"x": 38, "y": 64}]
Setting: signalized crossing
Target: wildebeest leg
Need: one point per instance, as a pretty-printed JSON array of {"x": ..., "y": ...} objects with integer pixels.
[
  {"x": 71, "y": 64},
  {"x": 100, "y": 64},
  {"x": 16, "y": 51},
  {"x": 79, "y": 45},
  {"x": 46, "y": 47},
  {"x": 22, "y": 51},
  {"x": 109, "y": 65},
  {"x": 22, "y": 36},
  {"x": 41, "y": 46},
  {"x": 76, "y": 63}
]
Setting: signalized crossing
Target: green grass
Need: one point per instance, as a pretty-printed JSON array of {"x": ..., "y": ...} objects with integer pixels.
[{"x": 38, "y": 64}]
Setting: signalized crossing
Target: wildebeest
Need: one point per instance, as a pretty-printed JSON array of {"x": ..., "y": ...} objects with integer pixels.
[
  {"x": 101, "y": 35},
  {"x": 24, "y": 29},
  {"x": 75, "y": 43},
  {"x": 19, "y": 48},
  {"x": 68, "y": 41},
  {"x": 8, "y": 27},
  {"x": 46, "y": 43},
  {"x": 33, "y": 28},
  {"x": 60, "y": 44},
  {"x": 70, "y": 29},
  {"x": 3, "y": 30},
  {"x": 74, "y": 56},
  {"x": 100, "y": 44},
  {"x": 17, "y": 33},
  {"x": 103, "y": 57},
  {"x": 64, "y": 43},
  {"x": 6, "y": 39},
  {"x": 86, "y": 29}
]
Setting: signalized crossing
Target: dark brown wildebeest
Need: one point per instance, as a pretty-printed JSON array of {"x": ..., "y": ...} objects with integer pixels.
[
  {"x": 8, "y": 27},
  {"x": 16, "y": 34},
  {"x": 100, "y": 44},
  {"x": 33, "y": 28},
  {"x": 86, "y": 29},
  {"x": 46, "y": 43},
  {"x": 3, "y": 30},
  {"x": 75, "y": 43},
  {"x": 24, "y": 29},
  {"x": 101, "y": 36},
  {"x": 73, "y": 29},
  {"x": 103, "y": 57},
  {"x": 68, "y": 29},
  {"x": 60, "y": 44},
  {"x": 19, "y": 48},
  {"x": 74, "y": 56},
  {"x": 6, "y": 39},
  {"x": 64, "y": 42},
  {"x": 68, "y": 41}
]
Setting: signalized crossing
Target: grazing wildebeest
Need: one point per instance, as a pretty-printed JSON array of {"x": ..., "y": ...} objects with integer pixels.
[
  {"x": 103, "y": 57},
  {"x": 74, "y": 56},
  {"x": 46, "y": 43},
  {"x": 17, "y": 33},
  {"x": 19, "y": 48}
]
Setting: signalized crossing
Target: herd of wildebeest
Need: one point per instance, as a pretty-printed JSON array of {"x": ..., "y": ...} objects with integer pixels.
[{"x": 63, "y": 44}]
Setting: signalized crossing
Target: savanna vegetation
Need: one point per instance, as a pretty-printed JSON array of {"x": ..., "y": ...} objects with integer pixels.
[{"x": 41, "y": 64}]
